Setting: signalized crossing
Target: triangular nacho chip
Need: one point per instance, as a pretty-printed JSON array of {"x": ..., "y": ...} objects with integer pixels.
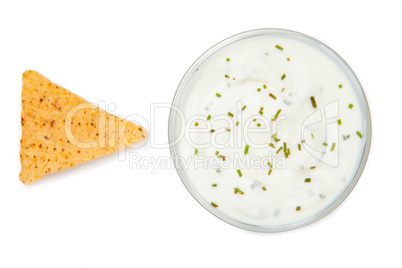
[{"x": 61, "y": 129}]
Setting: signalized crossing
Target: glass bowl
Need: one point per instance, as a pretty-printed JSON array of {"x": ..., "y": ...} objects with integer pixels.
[{"x": 175, "y": 127}]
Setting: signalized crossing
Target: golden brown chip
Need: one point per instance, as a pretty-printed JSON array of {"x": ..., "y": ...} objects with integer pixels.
[{"x": 61, "y": 129}]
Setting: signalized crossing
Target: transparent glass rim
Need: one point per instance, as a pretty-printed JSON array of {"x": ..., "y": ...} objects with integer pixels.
[{"x": 182, "y": 88}]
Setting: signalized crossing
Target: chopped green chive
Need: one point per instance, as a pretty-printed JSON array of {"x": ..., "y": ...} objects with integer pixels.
[
  {"x": 285, "y": 150},
  {"x": 230, "y": 114},
  {"x": 272, "y": 145},
  {"x": 277, "y": 140},
  {"x": 259, "y": 89},
  {"x": 283, "y": 76},
  {"x": 254, "y": 120},
  {"x": 307, "y": 180},
  {"x": 298, "y": 208},
  {"x": 246, "y": 149},
  {"x": 214, "y": 185},
  {"x": 196, "y": 151},
  {"x": 340, "y": 86},
  {"x": 339, "y": 122},
  {"x": 263, "y": 188},
  {"x": 303, "y": 141},
  {"x": 218, "y": 95},
  {"x": 274, "y": 135},
  {"x": 227, "y": 59},
  {"x": 237, "y": 123},
  {"x": 196, "y": 124},
  {"x": 359, "y": 134},
  {"x": 299, "y": 145},
  {"x": 312, "y": 135},
  {"x": 227, "y": 76},
  {"x": 269, "y": 164},
  {"x": 288, "y": 59},
  {"x": 214, "y": 205},
  {"x": 276, "y": 115},
  {"x": 325, "y": 144},
  {"x": 313, "y": 102},
  {"x": 244, "y": 107},
  {"x": 272, "y": 96},
  {"x": 313, "y": 167},
  {"x": 333, "y": 147},
  {"x": 279, "y": 47},
  {"x": 283, "y": 89},
  {"x": 269, "y": 172},
  {"x": 239, "y": 172},
  {"x": 258, "y": 125},
  {"x": 237, "y": 190},
  {"x": 217, "y": 152},
  {"x": 227, "y": 129},
  {"x": 279, "y": 150},
  {"x": 261, "y": 112},
  {"x": 350, "y": 106},
  {"x": 264, "y": 86},
  {"x": 208, "y": 118}
]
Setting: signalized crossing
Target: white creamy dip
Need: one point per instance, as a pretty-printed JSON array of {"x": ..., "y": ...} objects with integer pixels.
[{"x": 239, "y": 183}]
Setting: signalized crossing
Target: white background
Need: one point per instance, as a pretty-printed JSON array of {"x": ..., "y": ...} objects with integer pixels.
[{"x": 134, "y": 53}]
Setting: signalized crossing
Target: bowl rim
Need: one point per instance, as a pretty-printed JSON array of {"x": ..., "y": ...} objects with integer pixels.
[{"x": 321, "y": 213}]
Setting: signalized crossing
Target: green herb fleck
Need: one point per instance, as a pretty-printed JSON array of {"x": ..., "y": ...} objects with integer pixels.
[
  {"x": 237, "y": 190},
  {"x": 269, "y": 172},
  {"x": 283, "y": 76},
  {"x": 339, "y": 122},
  {"x": 298, "y": 208},
  {"x": 246, "y": 149},
  {"x": 276, "y": 115},
  {"x": 214, "y": 185},
  {"x": 333, "y": 147},
  {"x": 313, "y": 102},
  {"x": 212, "y": 131},
  {"x": 264, "y": 86},
  {"x": 279, "y": 47},
  {"x": 313, "y": 167},
  {"x": 350, "y": 106},
  {"x": 214, "y": 205},
  {"x": 325, "y": 144},
  {"x": 359, "y": 134},
  {"x": 230, "y": 114},
  {"x": 272, "y": 145},
  {"x": 217, "y": 152},
  {"x": 340, "y": 86},
  {"x": 227, "y": 76},
  {"x": 299, "y": 145},
  {"x": 272, "y": 96},
  {"x": 244, "y": 107},
  {"x": 196, "y": 151},
  {"x": 269, "y": 164},
  {"x": 227, "y": 59},
  {"x": 218, "y": 95},
  {"x": 307, "y": 180},
  {"x": 263, "y": 188},
  {"x": 258, "y": 125},
  {"x": 196, "y": 124},
  {"x": 239, "y": 172},
  {"x": 259, "y": 89},
  {"x": 279, "y": 150},
  {"x": 237, "y": 123},
  {"x": 208, "y": 118}
]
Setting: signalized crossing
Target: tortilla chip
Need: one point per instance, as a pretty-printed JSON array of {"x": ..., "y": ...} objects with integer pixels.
[{"x": 61, "y": 130}]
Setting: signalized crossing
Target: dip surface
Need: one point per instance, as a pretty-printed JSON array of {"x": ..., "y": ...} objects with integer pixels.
[{"x": 273, "y": 130}]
